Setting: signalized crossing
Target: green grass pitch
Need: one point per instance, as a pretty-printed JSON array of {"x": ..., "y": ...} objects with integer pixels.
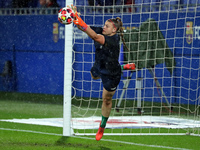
[{"x": 25, "y": 136}]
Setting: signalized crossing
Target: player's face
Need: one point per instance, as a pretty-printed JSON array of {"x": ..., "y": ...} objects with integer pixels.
[{"x": 108, "y": 29}]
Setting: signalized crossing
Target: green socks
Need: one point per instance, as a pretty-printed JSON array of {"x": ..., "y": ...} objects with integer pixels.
[
  {"x": 122, "y": 67},
  {"x": 103, "y": 121}
]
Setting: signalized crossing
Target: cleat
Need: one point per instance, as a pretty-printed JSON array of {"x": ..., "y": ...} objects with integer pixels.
[
  {"x": 130, "y": 66},
  {"x": 99, "y": 134}
]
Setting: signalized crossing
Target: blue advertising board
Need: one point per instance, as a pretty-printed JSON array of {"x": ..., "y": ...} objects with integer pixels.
[{"x": 33, "y": 41}]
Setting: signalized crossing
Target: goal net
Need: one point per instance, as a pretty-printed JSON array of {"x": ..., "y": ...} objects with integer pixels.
[{"x": 161, "y": 96}]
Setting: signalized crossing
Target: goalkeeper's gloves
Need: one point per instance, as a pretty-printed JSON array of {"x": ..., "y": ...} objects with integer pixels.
[{"x": 80, "y": 22}]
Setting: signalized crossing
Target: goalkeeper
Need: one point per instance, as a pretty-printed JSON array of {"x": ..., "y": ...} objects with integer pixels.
[{"x": 106, "y": 66}]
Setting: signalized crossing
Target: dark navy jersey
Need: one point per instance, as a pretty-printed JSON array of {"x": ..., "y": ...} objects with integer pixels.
[{"x": 107, "y": 55}]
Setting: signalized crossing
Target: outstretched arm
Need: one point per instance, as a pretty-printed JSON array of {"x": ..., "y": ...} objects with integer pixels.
[
  {"x": 94, "y": 36},
  {"x": 84, "y": 27}
]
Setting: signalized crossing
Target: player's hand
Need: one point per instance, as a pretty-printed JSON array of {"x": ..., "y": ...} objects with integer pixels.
[
  {"x": 73, "y": 8},
  {"x": 79, "y": 22}
]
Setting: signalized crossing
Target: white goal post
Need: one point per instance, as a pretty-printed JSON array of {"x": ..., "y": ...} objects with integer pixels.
[
  {"x": 67, "y": 131},
  {"x": 162, "y": 96}
]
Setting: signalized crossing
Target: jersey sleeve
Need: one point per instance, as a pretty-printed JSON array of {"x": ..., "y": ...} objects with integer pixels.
[{"x": 98, "y": 30}]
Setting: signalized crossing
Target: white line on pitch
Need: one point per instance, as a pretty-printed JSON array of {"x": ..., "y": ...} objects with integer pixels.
[
  {"x": 137, "y": 144},
  {"x": 122, "y": 142},
  {"x": 30, "y": 131}
]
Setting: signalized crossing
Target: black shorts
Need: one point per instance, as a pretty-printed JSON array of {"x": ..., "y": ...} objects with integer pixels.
[{"x": 110, "y": 83}]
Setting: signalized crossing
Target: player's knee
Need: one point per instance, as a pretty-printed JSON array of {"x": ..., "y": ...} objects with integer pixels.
[
  {"x": 93, "y": 77},
  {"x": 107, "y": 101}
]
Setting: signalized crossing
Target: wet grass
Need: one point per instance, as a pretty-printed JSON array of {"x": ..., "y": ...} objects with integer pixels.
[{"x": 26, "y": 136}]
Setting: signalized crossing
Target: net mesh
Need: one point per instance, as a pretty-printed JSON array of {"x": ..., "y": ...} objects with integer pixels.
[{"x": 162, "y": 94}]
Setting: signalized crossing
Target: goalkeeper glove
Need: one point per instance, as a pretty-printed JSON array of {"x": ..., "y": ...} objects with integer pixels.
[{"x": 80, "y": 22}]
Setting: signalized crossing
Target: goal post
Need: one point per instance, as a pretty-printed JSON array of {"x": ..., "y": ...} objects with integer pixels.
[
  {"x": 67, "y": 130},
  {"x": 165, "y": 87}
]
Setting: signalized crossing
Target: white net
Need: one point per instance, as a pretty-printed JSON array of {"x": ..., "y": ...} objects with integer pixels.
[{"x": 162, "y": 95}]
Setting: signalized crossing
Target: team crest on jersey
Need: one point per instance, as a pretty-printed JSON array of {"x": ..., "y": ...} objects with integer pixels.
[
  {"x": 189, "y": 31},
  {"x": 55, "y": 32}
]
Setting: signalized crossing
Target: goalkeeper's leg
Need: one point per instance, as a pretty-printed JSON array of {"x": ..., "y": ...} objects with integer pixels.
[
  {"x": 106, "y": 109},
  {"x": 95, "y": 74}
]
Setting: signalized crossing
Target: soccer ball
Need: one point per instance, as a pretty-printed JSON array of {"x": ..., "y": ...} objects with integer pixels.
[{"x": 66, "y": 15}]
